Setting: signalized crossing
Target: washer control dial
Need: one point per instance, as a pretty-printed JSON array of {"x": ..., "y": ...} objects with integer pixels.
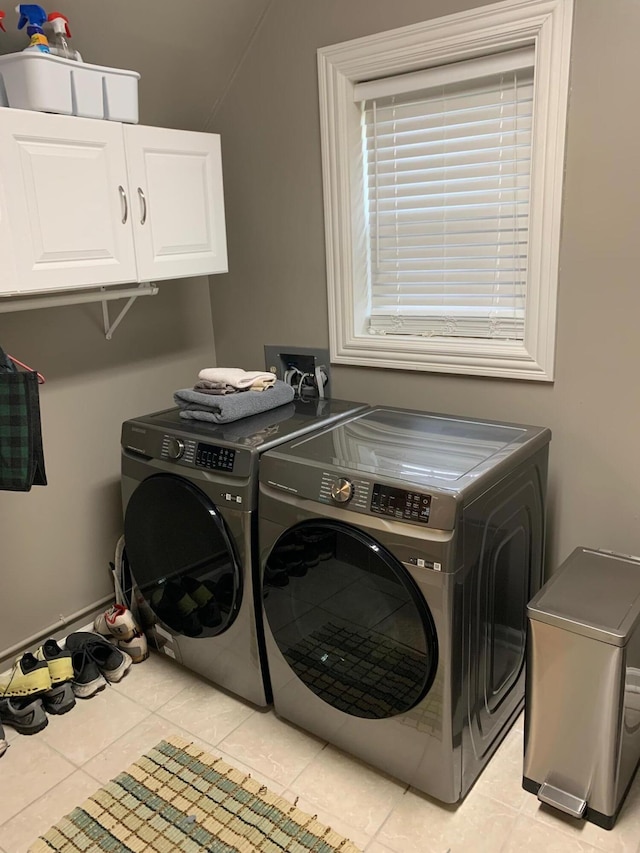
[
  {"x": 175, "y": 448},
  {"x": 342, "y": 490}
]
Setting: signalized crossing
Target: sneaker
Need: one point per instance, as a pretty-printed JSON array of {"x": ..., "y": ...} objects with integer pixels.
[
  {"x": 116, "y": 622},
  {"x": 28, "y": 677},
  {"x": 26, "y": 716},
  {"x": 111, "y": 662},
  {"x": 274, "y": 572},
  {"x": 203, "y": 593},
  {"x": 58, "y": 660},
  {"x": 137, "y": 647},
  {"x": 145, "y": 617},
  {"x": 3, "y": 744},
  {"x": 326, "y": 545},
  {"x": 59, "y": 699},
  {"x": 176, "y": 608},
  {"x": 225, "y": 590},
  {"x": 293, "y": 558},
  {"x": 311, "y": 549},
  {"x": 87, "y": 678}
]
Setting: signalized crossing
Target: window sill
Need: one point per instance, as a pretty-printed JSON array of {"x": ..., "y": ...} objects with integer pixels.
[{"x": 504, "y": 359}]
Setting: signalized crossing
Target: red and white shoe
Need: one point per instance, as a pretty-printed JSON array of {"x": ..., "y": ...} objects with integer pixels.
[
  {"x": 137, "y": 647},
  {"x": 116, "y": 622}
]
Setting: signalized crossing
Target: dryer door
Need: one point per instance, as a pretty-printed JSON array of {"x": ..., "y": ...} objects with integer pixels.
[
  {"x": 181, "y": 556},
  {"x": 349, "y": 619}
]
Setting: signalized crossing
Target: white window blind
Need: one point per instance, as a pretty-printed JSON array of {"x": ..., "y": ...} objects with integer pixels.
[{"x": 448, "y": 167}]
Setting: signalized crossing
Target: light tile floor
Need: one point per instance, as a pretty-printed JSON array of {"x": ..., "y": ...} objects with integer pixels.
[{"x": 45, "y": 776}]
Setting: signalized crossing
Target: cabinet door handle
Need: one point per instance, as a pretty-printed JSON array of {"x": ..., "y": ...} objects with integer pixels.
[
  {"x": 143, "y": 206},
  {"x": 125, "y": 204}
]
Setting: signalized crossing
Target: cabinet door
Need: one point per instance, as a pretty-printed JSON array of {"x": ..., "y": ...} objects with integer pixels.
[
  {"x": 65, "y": 185},
  {"x": 178, "y": 218},
  {"x": 8, "y": 275}
]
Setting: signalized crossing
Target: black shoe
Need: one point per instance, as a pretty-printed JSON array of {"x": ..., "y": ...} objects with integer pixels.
[
  {"x": 87, "y": 678},
  {"x": 94, "y": 660},
  {"x": 311, "y": 549},
  {"x": 292, "y": 557},
  {"x": 274, "y": 573},
  {"x": 204, "y": 594},
  {"x": 177, "y": 609},
  {"x": 296, "y": 568},
  {"x": 26, "y": 716},
  {"x": 326, "y": 545},
  {"x": 3, "y": 744},
  {"x": 59, "y": 699},
  {"x": 225, "y": 589}
]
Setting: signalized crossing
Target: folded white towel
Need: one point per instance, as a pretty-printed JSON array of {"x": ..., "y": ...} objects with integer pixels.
[{"x": 235, "y": 376}]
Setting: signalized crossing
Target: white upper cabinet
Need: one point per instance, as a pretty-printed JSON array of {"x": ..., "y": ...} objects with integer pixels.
[
  {"x": 65, "y": 187},
  {"x": 175, "y": 180},
  {"x": 85, "y": 203},
  {"x": 8, "y": 274}
]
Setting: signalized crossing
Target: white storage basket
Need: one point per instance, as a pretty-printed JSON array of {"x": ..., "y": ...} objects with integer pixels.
[{"x": 32, "y": 80}]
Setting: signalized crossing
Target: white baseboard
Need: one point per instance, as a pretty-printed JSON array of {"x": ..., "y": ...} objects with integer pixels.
[{"x": 80, "y": 621}]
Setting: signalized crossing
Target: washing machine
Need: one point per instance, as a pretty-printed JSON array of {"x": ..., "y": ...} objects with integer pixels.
[
  {"x": 398, "y": 552},
  {"x": 190, "y": 492}
]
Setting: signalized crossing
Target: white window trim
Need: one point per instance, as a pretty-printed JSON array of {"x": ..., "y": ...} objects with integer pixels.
[{"x": 547, "y": 25}]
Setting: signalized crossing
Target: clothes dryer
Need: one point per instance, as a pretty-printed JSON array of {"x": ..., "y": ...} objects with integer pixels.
[
  {"x": 190, "y": 492},
  {"x": 399, "y": 550}
]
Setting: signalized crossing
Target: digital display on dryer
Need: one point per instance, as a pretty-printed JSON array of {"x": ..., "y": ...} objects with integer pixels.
[
  {"x": 218, "y": 458},
  {"x": 398, "y": 503}
]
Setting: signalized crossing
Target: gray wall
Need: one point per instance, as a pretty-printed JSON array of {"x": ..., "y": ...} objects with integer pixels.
[
  {"x": 275, "y": 293},
  {"x": 55, "y": 542}
]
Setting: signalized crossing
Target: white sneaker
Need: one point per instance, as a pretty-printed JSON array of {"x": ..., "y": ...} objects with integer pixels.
[
  {"x": 137, "y": 647},
  {"x": 116, "y": 622}
]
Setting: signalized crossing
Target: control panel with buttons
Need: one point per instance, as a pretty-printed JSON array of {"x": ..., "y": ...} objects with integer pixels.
[
  {"x": 217, "y": 458},
  {"x": 398, "y": 503}
]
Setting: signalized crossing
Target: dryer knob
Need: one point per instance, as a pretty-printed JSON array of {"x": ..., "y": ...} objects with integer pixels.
[
  {"x": 175, "y": 448},
  {"x": 342, "y": 490}
]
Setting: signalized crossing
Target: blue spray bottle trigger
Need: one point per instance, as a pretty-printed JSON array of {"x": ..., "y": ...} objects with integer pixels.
[
  {"x": 33, "y": 17},
  {"x": 30, "y": 13}
]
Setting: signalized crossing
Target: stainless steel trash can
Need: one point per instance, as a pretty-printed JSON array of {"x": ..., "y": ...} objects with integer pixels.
[{"x": 582, "y": 699}]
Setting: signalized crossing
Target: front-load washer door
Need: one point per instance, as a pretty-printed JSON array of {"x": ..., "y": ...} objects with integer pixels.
[
  {"x": 181, "y": 556},
  {"x": 349, "y": 619}
]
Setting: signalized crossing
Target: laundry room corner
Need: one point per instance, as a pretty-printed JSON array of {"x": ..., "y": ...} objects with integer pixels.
[
  {"x": 319, "y": 412},
  {"x": 284, "y": 276},
  {"x": 57, "y": 541}
]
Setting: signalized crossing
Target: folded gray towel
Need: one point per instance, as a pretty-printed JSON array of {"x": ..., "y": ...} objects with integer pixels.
[
  {"x": 231, "y": 407},
  {"x": 254, "y": 431}
]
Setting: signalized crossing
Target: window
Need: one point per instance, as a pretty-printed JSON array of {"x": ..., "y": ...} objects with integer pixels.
[
  {"x": 443, "y": 147},
  {"x": 447, "y": 198}
]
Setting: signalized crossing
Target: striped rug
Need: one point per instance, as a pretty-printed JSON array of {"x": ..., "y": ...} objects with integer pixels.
[{"x": 179, "y": 799}]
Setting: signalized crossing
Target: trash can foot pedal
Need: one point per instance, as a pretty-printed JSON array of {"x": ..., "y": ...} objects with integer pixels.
[{"x": 561, "y": 800}]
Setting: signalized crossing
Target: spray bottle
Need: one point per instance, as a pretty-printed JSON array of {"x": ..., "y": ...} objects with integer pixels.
[
  {"x": 33, "y": 17},
  {"x": 57, "y": 30}
]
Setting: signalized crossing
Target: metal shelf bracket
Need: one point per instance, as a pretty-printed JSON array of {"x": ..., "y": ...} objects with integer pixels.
[
  {"x": 102, "y": 294},
  {"x": 144, "y": 289}
]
